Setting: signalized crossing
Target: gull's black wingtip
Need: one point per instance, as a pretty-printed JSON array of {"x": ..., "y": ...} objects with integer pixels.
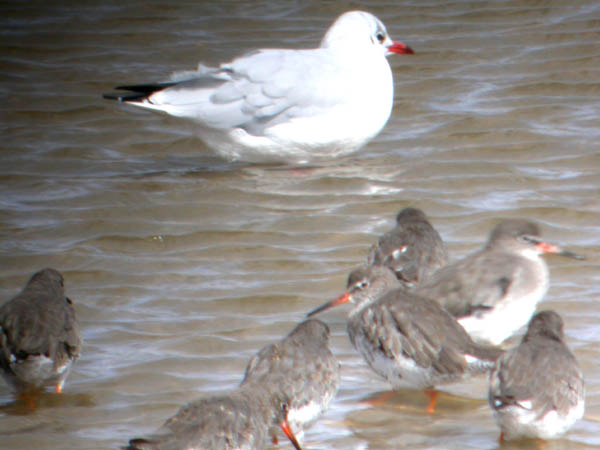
[
  {"x": 128, "y": 97},
  {"x": 137, "y": 92},
  {"x": 140, "y": 444}
]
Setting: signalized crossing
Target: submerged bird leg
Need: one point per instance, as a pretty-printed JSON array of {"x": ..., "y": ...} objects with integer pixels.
[
  {"x": 501, "y": 438},
  {"x": 381, "y": 398},
  {"x": 28, "y": 399},
  {"x": 432, "y": 394}
]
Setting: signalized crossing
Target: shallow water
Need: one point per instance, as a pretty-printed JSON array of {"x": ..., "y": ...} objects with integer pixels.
[{"x": 182, "y": 265}]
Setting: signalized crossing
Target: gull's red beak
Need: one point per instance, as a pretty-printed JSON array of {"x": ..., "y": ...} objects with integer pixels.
[
  {"x": 345, "y": 297},
  {"x": 400, "y": 48}
]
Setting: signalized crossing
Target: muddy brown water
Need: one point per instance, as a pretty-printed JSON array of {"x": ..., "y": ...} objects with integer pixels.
[{"x": 182, "y": 265}]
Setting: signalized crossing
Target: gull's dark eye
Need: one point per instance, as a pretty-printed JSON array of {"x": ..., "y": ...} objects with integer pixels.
[{"x": 380, "y": 37}]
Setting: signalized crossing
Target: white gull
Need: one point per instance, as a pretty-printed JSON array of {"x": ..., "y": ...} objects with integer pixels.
[{"x": 287, "y": 105}]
